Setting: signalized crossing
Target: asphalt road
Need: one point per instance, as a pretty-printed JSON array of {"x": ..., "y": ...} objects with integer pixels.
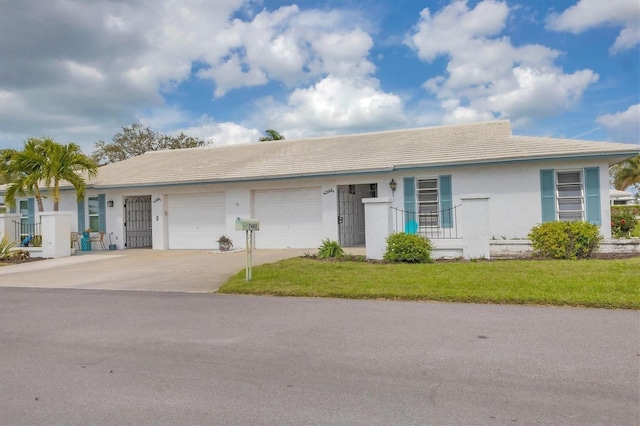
[{"x": 113, "y": 357}]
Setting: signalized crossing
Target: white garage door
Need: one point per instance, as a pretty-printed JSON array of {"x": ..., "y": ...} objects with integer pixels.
[
  {"x": 288, "y": 218},
  {"x": 195, "y": 221}
]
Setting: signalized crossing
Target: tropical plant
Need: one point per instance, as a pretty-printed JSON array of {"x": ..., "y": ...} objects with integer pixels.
[
  {"x": 271, "y": 135},
  {"x": 23, "y": 169},
  {"x": 409, "y": 248},
  {"x": 136, "y": 140},
  {"x": 627, "y": 173},
  {"x": 46, "y": 162},
  {"x": 224, "y": 243},
  {"x": 6, "y": 247},
  {"x": 330, "y": 249}
]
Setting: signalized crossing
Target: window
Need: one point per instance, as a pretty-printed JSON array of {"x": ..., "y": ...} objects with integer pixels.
[
  {"x": 427, "y": 200},
  {"x": 23, "y": 208},
  {"x": 94, "y": 217},
  {"x": 570, "y": 195}
]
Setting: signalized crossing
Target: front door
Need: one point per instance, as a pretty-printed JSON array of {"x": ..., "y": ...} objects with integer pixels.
[
  {"x": 351, "y": 228},
  {"x": 137, "y": 221}
]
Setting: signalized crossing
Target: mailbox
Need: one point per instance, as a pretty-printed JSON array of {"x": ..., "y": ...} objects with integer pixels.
[{"x": 247, "y": 224}]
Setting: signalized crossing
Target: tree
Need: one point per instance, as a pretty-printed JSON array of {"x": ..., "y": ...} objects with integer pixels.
[
  {"x": 45, "y": 162},
  {"x": 271, "y": 135},
  {"x": 136, "y": 140},
  {"x": 23, "y": 170},
  {"x": 627, "y": 173}
]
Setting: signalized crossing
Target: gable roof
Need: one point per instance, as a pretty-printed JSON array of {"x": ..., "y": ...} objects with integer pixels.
[{"x": 478, "y": 143}]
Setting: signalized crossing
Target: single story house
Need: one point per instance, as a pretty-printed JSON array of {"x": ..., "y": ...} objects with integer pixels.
[
  {"x": 621, "y": 198},
  {"x": 303, "y": 191}
]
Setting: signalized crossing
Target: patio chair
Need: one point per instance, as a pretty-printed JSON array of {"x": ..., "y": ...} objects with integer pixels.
[
  {"x": 75, "y": 239},
  {"x": 99, "y": 238}
]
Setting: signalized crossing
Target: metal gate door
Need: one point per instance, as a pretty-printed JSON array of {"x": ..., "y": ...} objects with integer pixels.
[
  {"x": 137, "y": 221},
  {"x": 351, "y": 230}
]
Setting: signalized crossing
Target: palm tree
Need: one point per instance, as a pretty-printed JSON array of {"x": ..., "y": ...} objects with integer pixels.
[
  {"x": 271, "y": 135},
  {"x": 66, "y": 162},
  {"x": 46, "y": 162},
  {"x": 23, "y": 170},
  {"x": 627, "y": 173}
]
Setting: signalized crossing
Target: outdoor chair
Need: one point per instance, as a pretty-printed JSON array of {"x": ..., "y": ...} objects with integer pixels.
[
  {"x": 98, "y": 238},
  {"x": 75, "y": 239}
]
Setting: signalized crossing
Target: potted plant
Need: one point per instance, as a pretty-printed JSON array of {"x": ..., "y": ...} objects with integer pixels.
[{"x": 224, "y": 243}]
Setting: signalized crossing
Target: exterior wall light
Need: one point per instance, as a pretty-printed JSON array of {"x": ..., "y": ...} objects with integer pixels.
[
  {"x": 393, "y": 185},
  {"x": 110, "y": 203}
]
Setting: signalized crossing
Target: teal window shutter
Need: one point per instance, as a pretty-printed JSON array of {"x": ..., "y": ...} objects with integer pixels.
[
  {"x": 410, "y": 217},
  {"x": 81, "y": 226},
  {"x": 446, "y": 202},
  {"x": 102, "y": 213},
  {"x": 548, "y": 194},
  {"x": 592, "y": 192},
  {"x": 31, "y": 207}
]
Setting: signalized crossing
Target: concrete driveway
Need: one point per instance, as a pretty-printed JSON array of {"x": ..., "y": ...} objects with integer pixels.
[{"x": 193, "y": 271}]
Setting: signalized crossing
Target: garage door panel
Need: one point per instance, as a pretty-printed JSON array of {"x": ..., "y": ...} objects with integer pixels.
[
  {"x": 195, "y": 221},
  {"x": 288, "y": 218}
]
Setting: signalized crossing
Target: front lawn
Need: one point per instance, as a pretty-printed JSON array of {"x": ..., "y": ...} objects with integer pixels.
[{"x": 592, "y": 283}]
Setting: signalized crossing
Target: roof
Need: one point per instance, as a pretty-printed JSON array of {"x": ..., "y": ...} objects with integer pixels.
[{"x": 464, "y": 144}]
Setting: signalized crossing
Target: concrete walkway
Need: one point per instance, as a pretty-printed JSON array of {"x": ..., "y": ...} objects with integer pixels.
[{"x": 193, "y": 271}]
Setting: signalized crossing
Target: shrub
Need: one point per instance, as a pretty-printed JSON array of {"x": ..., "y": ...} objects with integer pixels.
[
  {"x": 6, "y": 248},
  {"x": 409, "y": 248},
  {"x": 330, "y": 249},
  {"x": 623, "y": 220},
  {"x": 565, "y": 240}
]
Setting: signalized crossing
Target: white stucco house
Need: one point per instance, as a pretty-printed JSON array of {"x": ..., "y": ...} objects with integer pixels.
[{"x": 303, "y": 191}]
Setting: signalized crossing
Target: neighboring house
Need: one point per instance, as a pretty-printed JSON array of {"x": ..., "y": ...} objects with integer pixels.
[
  {"x": 302, "y": 191},
  {"x": 621, "y": 198}
]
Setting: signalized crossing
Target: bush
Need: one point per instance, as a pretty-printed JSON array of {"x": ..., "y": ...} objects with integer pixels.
[
  {"x": 565, "y": 240},
  {"x": 18, "y": 256},
  {"x": 623, "y": 220},
  {"x": 330, "y": 249},
  {"x": 409, "y": 248}
]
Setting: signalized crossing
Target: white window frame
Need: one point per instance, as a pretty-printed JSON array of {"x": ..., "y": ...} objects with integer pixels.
[
  {"x": 570, "y": 203},
  {"x": 93, "y": 215},
  {"x": 24, "y": 218},
  {"x": 428, "y": 206}
]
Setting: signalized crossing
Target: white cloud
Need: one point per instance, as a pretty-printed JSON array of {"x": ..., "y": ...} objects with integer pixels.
[
  {"x": 487, "y": 76},
  {"x": 336, "y": 104},
  {"x": 219, "y": 134},
  {"x": 589, "y": 14},
  {"x": 623, "y": 126}
]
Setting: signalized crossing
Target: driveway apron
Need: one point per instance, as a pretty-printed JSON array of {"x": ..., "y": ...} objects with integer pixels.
[{"x": 193, "y": 271}]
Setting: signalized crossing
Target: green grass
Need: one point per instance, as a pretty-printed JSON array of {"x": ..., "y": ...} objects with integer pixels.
[{"x": 591, "y": 283}]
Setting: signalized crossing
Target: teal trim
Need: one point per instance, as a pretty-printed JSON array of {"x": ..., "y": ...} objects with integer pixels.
[
  {"x": 410, "y": 219},
  {"x": 102, "y": 213},
  {"x": 446, "y": 202},
  {"x": 81, "y": 221},
  {"x": 592, "y": 194},
  {"x": 548, "y": 195},
  {"x": 31, "y": 207}
]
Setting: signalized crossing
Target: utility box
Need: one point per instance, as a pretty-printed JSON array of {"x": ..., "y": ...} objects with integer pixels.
[{"x": 247, "y": 224}]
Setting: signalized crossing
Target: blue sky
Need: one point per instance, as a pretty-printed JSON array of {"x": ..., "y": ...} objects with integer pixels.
[{"x": 226, "y": 70}]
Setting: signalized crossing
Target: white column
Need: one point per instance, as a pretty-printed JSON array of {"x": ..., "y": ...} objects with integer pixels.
[
  {"x": 56, "y": 234},
  {"x": 474, "y": 224},
  {"x": 7, "y": 226},
  {"x": 378, "y": 225}
]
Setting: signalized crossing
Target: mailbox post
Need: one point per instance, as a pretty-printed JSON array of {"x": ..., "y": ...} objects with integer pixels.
[{"x": 248, "y": 225}]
